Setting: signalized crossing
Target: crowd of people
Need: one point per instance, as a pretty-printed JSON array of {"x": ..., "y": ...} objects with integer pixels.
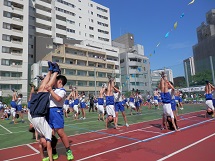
[{"x": 49, "y": 103}]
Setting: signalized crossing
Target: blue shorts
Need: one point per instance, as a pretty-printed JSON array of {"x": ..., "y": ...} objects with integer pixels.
[
  {"x": 137, "y": 104},
  {"x": 148, "y": 100},
  {"x": 19, "y": 108},
  {"x": 213, "y": 102},
  {"x": 119, "y": 107},
  {"x": 13, "y": 104},
  {"x": 82, "y": 105},
  {"x": 55, "y": 118},
  {"x": 173, "y": 105},
  {"x": 180, "y": 100},
  {"x": 71, "y": 105}
]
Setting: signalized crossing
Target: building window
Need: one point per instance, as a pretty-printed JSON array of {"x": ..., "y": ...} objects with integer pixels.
[
  {"x": 91, "y": 84},
  {"x": 7, "y": 14},
  {"x": 91, "y": 74},
  {"x": 5, "y": 49},
  {"x": 6, "y": 25},
  {"x": 5, "y": 62},
  {"x": 6, "y": 37},
  {"x": 7, "y": 3},
  {"x": 82, "y": 83},
  {"x": 122, "y": 61},
  {"x": 91, "y": 13},
  {"x": 101, "y": 9},
  {"x": 91, "y": 28},
  {"x": 91, "y": 36}
]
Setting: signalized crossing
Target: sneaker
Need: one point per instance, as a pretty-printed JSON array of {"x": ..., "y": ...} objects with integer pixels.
[
  {"x": 55, "y": 156},
  {"x": 46, "y": 159},
  {"x": 84, "y": 118},
  {"x": 69, "y": 155},
  {"x": 50, "y": 65},
  {"x": 40, "y": 77},
  {"x": 56, "y": 68},
  {"x": 127, "y": 125},
  {"x": 81, "y": 118}
]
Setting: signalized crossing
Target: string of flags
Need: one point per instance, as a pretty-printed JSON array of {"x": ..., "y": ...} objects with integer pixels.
[{"x": 175, "y": 25}]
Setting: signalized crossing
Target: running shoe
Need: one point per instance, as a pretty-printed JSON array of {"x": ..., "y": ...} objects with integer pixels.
[
  {"x": 46, "y": 159},
  {"x": 51, "y": 66},
  {"x": 56, "y": 68},
  {"x": 55, "y": 156},
  {"x": 69, "y": 155},
  {"x": 127, "y": 125}
]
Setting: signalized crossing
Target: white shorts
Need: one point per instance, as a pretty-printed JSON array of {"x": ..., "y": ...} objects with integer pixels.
[
  {"x": 156, "y": 102},
  {"x": 110, "y": 110},
  {"x": 13, "y": 112},
  {"x": 131, "y": 104},
  {"x": 167, "y": 110},
  {"x": 29, "y": 116},
  {"x": 75, "y": 108},
  {"x": 42, "y": 127},
  {"x": 209, "y": 103},
  {"x": 101, "y": 109},
  {"x": 65, "y": 107}
]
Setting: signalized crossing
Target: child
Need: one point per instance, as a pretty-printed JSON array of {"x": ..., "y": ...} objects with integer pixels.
[
  {"x": 76, "y": 102},
  {"x": 83, "y": 105},
  {"x": 101, "y": 102},
  {"x": 208, "y": 96},
  {"x": 118, "y": 105},
  {"x": 19, "y": 106},
  {"x": 55, "y": 117},
  {"x": 7, "y": 113},
  {"x": 111, "y": 115},
  {"x": 39, "y": 105},
  {"x": 13, "y": 107},
  {"x": 164, "y": 85}
]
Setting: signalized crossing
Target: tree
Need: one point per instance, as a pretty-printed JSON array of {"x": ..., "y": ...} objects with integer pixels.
[{"x": 200, "y": 78}]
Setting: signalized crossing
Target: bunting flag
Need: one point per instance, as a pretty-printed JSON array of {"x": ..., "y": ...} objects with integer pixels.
[
  {"x": 158, "y": 44},
  {"x": 167, "y": 35},
  {"x": 175, "y": 25},
  {"x": 191, "y": 2},
  {"x": 182, "y": 15}
]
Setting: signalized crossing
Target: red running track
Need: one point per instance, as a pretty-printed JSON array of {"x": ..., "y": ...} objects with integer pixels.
[{"x": 134, "y": 143}]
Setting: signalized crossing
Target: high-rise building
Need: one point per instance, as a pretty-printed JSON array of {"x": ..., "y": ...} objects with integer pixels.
[
  {"x": 204, "y": 51},
  {"x": 135, "y": 67},
  {"x": 189, "y": 69},
  {"x": 54, "y": 23},
  {"x": 14, "y": 45},
  {"x": 155, "y": 75},
  {"x": 33, "y": 28}
]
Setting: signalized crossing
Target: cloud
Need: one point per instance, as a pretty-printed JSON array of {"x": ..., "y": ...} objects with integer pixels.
[{"x": 179, "y": 45}]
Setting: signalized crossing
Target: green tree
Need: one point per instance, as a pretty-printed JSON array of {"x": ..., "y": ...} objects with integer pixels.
[{"x": 200, "y": 78}]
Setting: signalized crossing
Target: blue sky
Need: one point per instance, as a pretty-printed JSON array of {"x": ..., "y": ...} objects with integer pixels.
[{"x": 149, "y": 21}]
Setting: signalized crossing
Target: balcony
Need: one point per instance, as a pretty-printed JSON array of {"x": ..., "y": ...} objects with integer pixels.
[
  {"x": 43, "y": 22},
  {"x": 16, "y": 42},
  {"x": 42, "y": 3},
  {"x": 16, "y": 53},
  {"x": 43, "y": 31},
  {"x": 41, "y": 12}
]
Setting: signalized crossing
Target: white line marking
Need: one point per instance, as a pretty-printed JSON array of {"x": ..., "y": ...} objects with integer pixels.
[
  {"x": 21, "y": 157},
  {"x": 176, "y": 152},
  {"x": 150, "y": 131},
  {"x": 154, "y": 137},
  {"x": 105, "y": 129},
  {"x": 6, "y": 129},
  {"x": 37, "y": 151}
]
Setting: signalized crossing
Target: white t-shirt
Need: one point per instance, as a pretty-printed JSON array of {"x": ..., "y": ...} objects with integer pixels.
[
  {"x": 60, "y": 92},
  {"x": 19, "y": 101},
  {"x": 117, "y": 97},
  {"x": 82, "y": 99}
]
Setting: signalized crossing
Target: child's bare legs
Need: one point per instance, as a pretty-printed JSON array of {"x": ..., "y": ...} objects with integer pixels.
[
  {"x": 124, "y": 117},
  {"x": 42, "y": 145}
]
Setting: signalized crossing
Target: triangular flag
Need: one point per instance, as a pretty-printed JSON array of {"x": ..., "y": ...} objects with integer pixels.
[
  {"x": 191, "y": 2},
  {"x": 175, "y": 25}
]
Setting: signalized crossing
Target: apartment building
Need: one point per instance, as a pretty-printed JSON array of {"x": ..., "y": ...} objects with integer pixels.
[
  {"x": 155, "y": 76},
  {"x": 135, "y": 66},
  {"x": 14, "y": 45},
  {"x": 33, "y": 28},
  {"x": 86, "y": 65},
  {"x": 53, "y": 23}
]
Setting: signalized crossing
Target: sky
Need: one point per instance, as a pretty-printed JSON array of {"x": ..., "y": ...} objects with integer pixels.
[{"x": 150, "y": 21}]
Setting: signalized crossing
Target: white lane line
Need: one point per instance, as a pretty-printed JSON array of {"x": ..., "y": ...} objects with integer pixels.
[
  {"x": 31, "y": 147},
  {"x": 150, "y": 131},
  {"x": 104, "y": 129},
  {"x": 154, "y": 137},
  {"x": 176, "y": 152},
  {"x": 6, "y": 129},
  {"x": 21, "y": 157}
]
